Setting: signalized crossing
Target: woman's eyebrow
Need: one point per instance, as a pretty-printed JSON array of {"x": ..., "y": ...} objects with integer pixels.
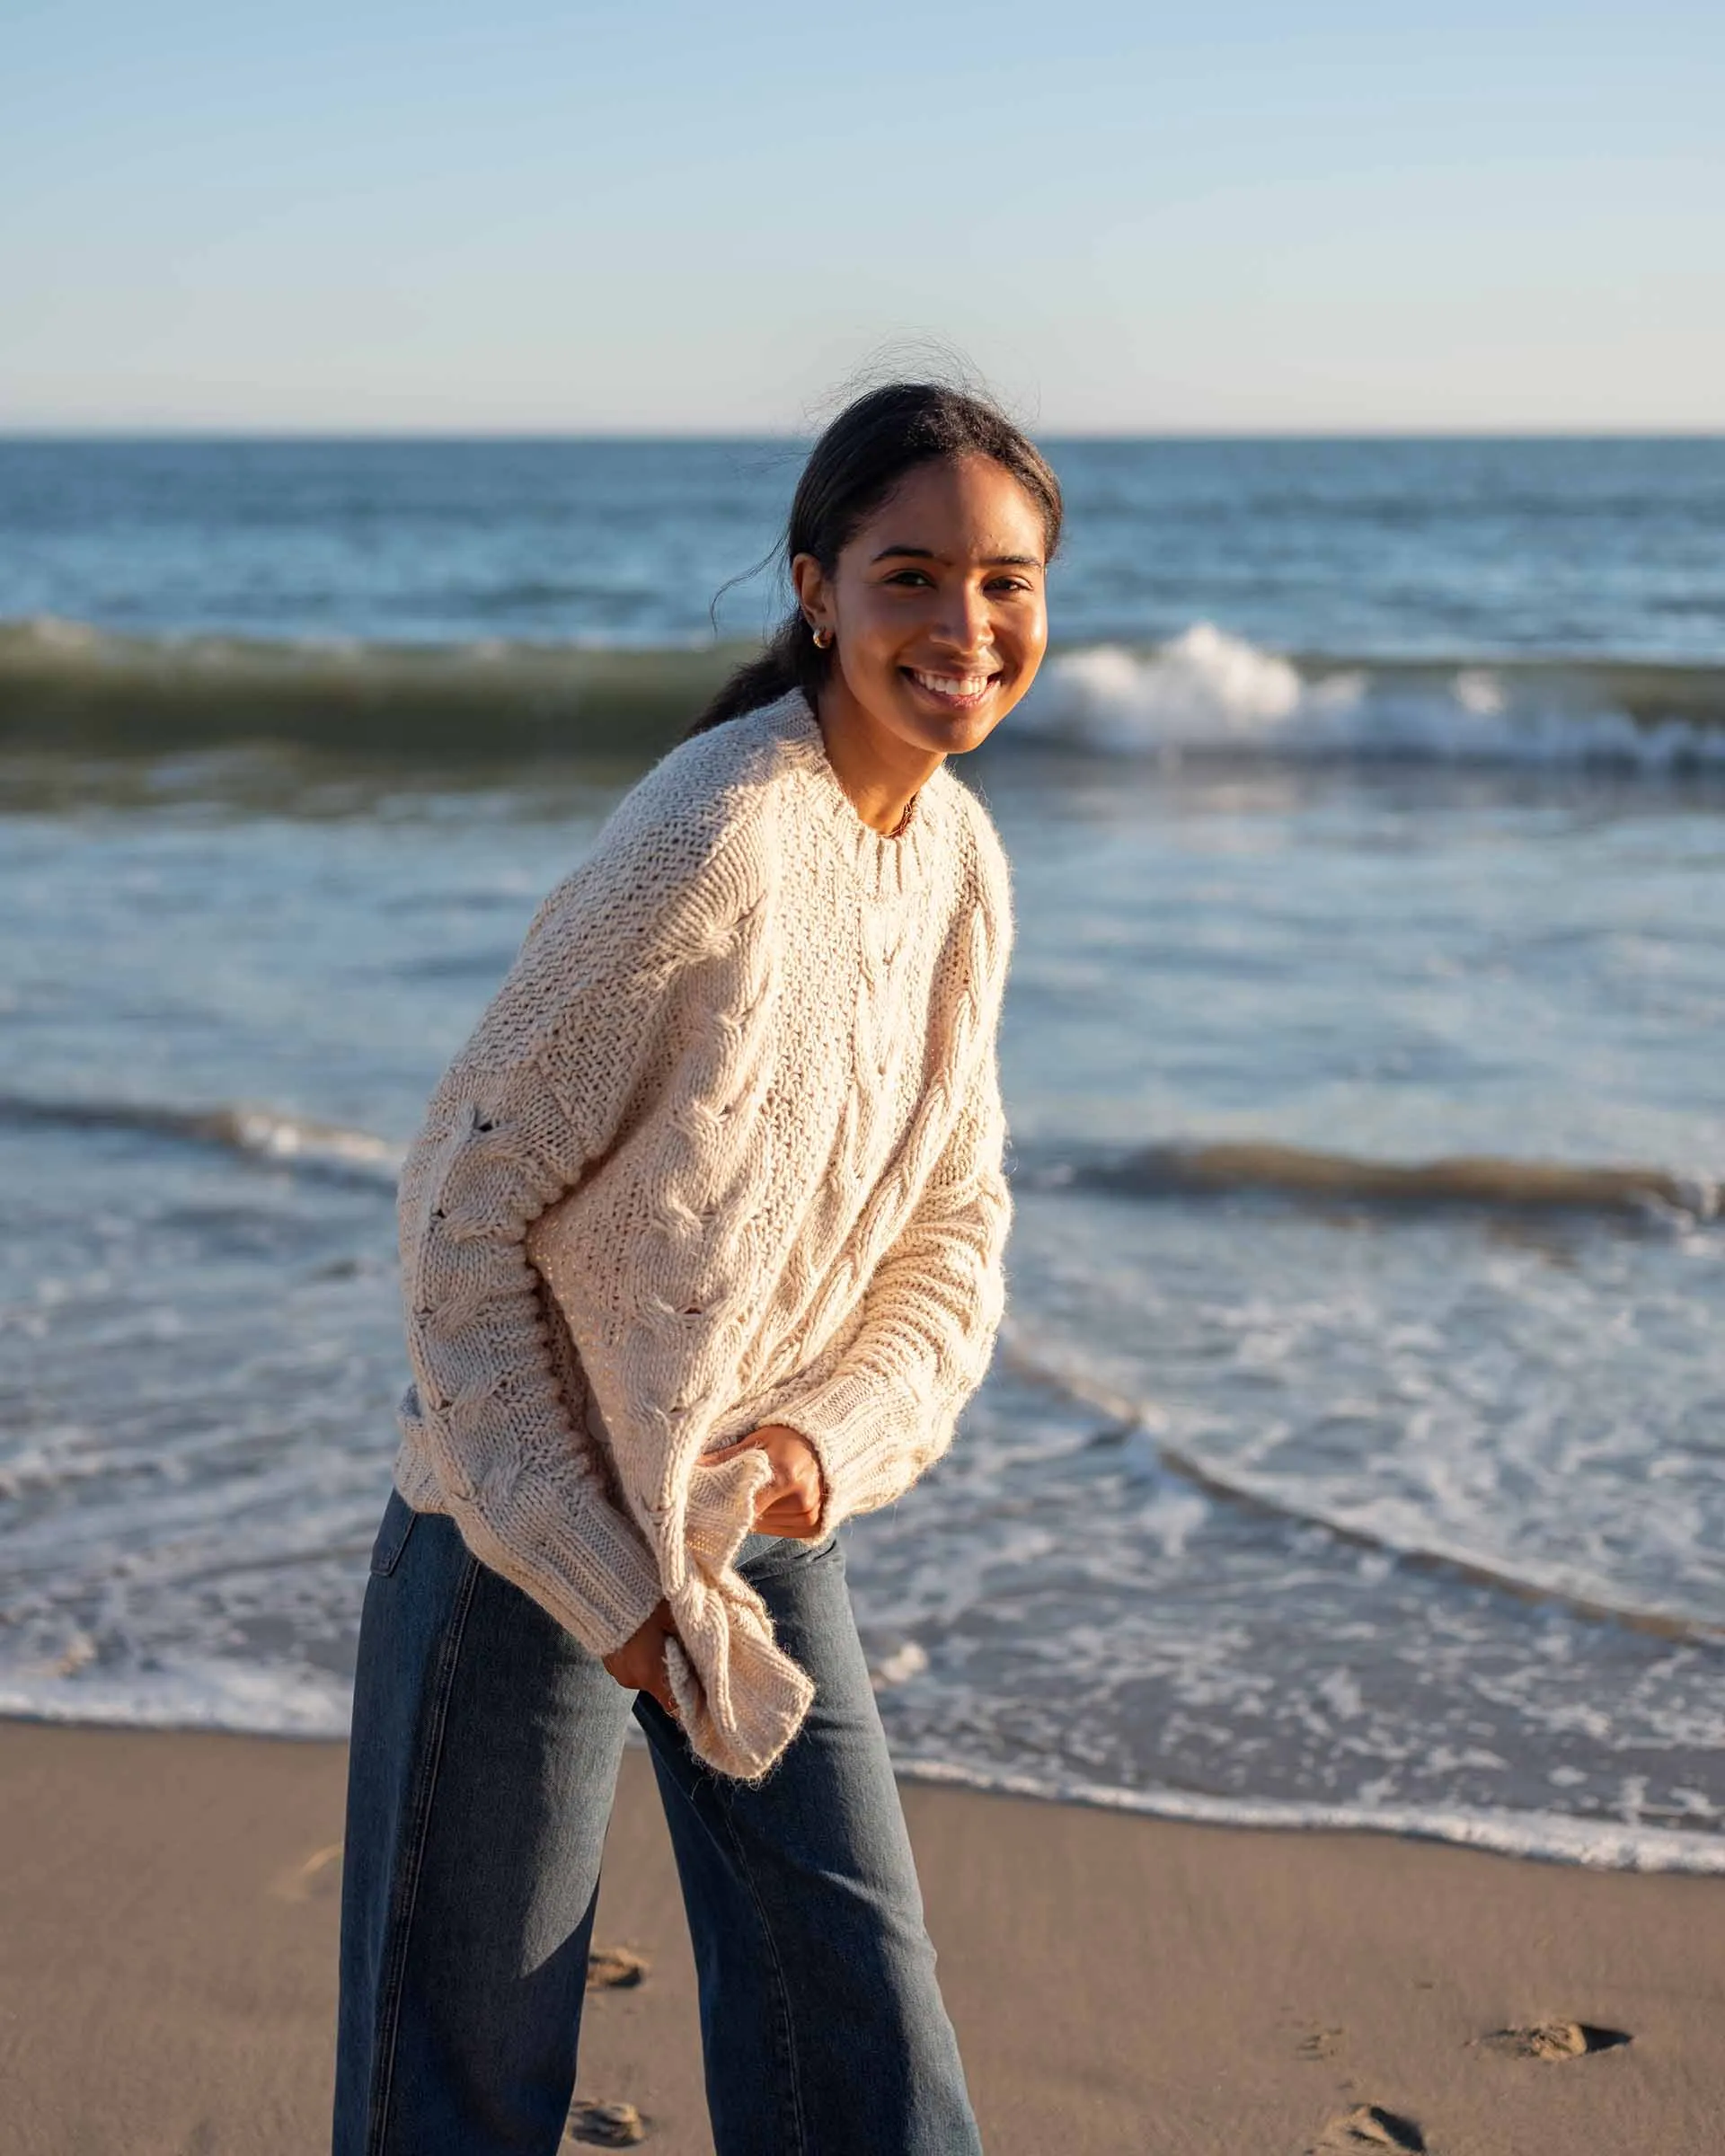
[{"x": 927, "y": 553}]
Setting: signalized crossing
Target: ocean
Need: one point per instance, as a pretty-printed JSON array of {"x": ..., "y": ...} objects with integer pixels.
[{"x": 1355, "y": 1451}]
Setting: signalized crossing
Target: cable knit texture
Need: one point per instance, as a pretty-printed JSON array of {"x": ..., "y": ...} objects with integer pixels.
[{"x": 726, "y": 1149}]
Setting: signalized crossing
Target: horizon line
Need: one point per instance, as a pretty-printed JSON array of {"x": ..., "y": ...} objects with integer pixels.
[{"x": 274, "y": 433}]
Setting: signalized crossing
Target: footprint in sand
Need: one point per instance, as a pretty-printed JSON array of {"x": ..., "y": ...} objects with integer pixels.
[
  {"x": 615, "y": 1968},
  {"x": 1554, "y": 2040},
  {"x": 1370, "y": 2127},
  {"x": 311, "y": 1878},
  {"x": 604, "y": 2125}
]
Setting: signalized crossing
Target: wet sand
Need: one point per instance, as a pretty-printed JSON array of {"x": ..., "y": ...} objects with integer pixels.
[{"x": 167, "y": 1973}]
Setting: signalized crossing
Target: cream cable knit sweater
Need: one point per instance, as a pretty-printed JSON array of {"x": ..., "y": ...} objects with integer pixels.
[{"x": 725, "y": 1150}]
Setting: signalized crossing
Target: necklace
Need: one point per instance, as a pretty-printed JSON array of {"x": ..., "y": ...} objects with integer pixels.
[{"x": 897, "y": 830}]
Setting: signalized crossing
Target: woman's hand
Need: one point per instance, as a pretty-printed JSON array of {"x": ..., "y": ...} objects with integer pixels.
[
  {"x": 792, "y": 1503},
  {"x": 639, "y": 1664}
]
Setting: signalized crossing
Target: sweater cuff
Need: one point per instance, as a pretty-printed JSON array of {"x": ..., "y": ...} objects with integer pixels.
[
  {"x": 601, "y": 1589},
  {"x": 845, "y": 1421},
  {"x": 615, "y": 1590}
]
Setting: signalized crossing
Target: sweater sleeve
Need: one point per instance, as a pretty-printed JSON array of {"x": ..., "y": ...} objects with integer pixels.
[
  {"x": 930, "y": 1318},
  {"x": 559, "y": 1067}
]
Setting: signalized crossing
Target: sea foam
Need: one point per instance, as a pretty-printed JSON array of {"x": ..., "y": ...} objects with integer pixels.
[
  {"x": 1206, "y": 694},
  {"x": 260, "y": 1702}
]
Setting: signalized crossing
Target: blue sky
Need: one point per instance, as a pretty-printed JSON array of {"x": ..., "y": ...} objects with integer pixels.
[{"x": 683, "y": 217}]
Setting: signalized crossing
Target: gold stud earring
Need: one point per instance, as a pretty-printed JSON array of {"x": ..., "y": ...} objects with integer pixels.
[{"x": 823, "y": 640}]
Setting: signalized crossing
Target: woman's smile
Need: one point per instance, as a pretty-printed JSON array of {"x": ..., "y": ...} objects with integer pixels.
[{"x": 955, "y": 692}]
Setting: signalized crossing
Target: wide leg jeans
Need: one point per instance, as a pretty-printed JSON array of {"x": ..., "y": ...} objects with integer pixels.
[{"x": 485, "y": 1752}]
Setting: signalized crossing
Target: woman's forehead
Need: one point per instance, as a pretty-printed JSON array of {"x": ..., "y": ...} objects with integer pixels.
[{"x": 965, "y": 508}]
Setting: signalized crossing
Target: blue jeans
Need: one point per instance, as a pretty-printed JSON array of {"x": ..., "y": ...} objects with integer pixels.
[{"x": 486, "y": 1745}]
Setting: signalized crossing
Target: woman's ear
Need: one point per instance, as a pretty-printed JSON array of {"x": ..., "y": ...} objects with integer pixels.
[{"x": 814, "y": 594}]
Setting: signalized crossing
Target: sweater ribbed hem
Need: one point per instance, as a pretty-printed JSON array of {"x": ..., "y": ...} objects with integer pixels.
[{"x": 601, "y": 1586}]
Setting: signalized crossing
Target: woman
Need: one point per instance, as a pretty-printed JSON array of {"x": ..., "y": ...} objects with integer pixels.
[{"x": 701, "y": 1253}]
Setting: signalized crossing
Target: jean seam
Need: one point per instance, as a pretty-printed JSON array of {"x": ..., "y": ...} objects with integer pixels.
[
  {"x": 781, "y": 1989},
  {"x": 404, "y": 1901}
]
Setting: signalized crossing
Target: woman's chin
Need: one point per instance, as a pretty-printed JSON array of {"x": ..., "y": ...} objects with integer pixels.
[{"x": 948, "y": 724}]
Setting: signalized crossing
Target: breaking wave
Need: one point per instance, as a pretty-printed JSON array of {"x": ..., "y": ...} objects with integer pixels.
[
  {"x": 1203, "y": 695},
  {"x": 1210, "y": 695},
  {"x": 68, "y": 684}
]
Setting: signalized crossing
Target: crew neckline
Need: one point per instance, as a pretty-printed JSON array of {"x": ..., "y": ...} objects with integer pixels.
[{"x": 885, "y": 868}]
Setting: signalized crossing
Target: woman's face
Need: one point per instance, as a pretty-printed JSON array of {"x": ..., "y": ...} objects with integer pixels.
[{"x": 936, "y": 606}]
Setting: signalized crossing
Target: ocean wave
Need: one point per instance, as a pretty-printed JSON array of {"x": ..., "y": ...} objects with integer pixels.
[
  {"x": 1533, "y": 1583},
  {"x": 1204, "y": 694},
  {"x": 1208, "y": 695},
  {"x": 1477, "y": 1182},
  {"x": 66, "y": 685},
  {"x": 262, "y": 1133},
  {"x": 1481, "y": 1182}
]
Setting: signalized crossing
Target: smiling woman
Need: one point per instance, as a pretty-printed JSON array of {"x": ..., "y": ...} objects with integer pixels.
[{"x": 702, "y": 1242}]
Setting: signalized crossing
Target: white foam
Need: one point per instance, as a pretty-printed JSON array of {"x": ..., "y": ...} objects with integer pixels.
[
  {"x": 1394, "y": 1529},
  {"x": 1203, "y": 688},
  {"x": 193, "y": 1694},
  {"x": 262, "y": 1702},
  {"x": 1599, "y": 1844},
  {"x": 1207, "y": 694},
  {"x": 277, "y": 1135}
]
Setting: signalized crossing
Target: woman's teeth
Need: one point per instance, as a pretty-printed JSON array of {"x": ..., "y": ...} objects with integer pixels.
[{"x": 956, "y": 688}]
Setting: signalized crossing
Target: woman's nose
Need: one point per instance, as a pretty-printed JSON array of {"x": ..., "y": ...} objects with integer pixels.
[{"x": 963, "y": 620}]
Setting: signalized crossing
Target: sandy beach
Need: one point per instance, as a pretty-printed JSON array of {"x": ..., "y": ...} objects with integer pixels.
[{"x": 167, "y": 1962}]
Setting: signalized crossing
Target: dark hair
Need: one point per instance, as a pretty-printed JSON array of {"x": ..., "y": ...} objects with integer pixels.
[{"x": 858, "y": 461}]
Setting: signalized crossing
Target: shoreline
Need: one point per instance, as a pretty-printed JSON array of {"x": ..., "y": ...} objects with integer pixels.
[
  {"x": 1601, "y": 1844},
  {"x": 167, "y": 1938}
]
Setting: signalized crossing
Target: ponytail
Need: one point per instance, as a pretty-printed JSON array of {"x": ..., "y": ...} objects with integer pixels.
[{"x": 787, "y": 660}]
